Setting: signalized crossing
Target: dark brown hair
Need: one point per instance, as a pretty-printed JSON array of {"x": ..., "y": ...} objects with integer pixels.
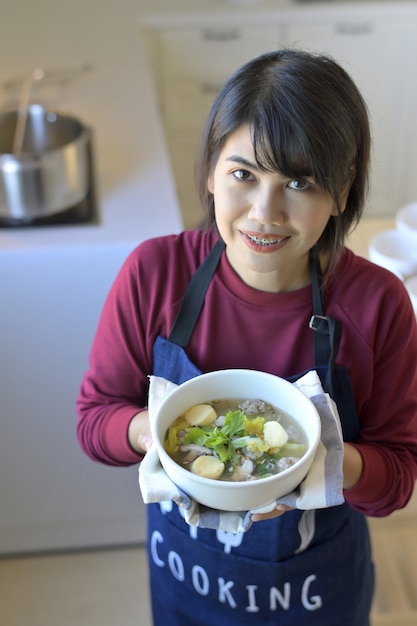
[{"x": 307, "y": 118}]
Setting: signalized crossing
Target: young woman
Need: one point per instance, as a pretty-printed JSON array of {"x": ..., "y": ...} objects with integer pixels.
[{"x": 282, "y": 175}]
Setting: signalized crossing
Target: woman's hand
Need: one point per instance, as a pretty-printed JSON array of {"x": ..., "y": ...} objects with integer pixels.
[
  {"x": 139, "y": 433},
  {"x": 280, "y": 509},
  {"x": 352, "y": 470}
]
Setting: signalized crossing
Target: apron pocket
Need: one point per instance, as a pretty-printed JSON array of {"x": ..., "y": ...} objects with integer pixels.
[{"x": 197, "y": 584}]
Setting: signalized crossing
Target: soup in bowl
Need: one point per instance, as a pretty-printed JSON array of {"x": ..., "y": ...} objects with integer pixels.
[{"x": 236, "y": 439}]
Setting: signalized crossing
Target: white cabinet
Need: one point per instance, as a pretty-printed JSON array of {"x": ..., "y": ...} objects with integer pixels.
[
  {"x": 195, "y": 62},
  {"x": 52, "y": 495},
  {"x": 377, "y": 47},
  {"x": 381, "y": 57}
]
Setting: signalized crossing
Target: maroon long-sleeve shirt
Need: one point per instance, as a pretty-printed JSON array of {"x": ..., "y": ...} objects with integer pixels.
[{"x": 242, "y": 327}]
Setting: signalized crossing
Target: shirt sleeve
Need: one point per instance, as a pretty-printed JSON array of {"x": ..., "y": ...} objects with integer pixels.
[
  {"x": 388, "y": 436},
  {"x": 115, "y": 386}
]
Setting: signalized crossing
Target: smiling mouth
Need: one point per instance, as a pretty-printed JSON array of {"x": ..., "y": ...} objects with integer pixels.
[{"x": 265, "y": 241}]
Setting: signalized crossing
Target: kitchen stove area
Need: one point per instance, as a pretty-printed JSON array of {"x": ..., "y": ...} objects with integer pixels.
[{"x": 86, "y": 211}]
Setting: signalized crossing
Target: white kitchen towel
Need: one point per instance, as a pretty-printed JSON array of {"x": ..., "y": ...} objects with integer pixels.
[{"x": 322, "y": 487}]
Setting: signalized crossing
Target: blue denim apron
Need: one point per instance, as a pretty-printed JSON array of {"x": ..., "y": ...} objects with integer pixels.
[{"x": 304, "y": 568}]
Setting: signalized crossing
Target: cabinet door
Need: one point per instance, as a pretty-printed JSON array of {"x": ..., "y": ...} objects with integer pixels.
[
  {"x": 381, "y": 57},
  {"x": 194, "y": 63},
  {"x": 213, "y": 51},
  {"x": 53, "y": 496}
]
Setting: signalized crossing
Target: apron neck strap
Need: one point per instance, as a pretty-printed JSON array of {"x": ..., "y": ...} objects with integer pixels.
[
  {"x": 193, "y": 299},
  {"x": 327, "y": 330},
  {"x": 316, "y": 282}
]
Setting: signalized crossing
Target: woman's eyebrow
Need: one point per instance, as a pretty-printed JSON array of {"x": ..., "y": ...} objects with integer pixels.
[{"x": 242, "y": 161}]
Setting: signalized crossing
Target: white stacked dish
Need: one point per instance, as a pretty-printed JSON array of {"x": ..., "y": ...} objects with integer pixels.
[
  {"x": 396, "y": 249},
  {"x": 406, "y": 220}
]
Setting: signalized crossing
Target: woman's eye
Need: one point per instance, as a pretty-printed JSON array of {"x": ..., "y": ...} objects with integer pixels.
[
  {"x": 243, "y": 175},
  {"x": 300, "y": 184}
]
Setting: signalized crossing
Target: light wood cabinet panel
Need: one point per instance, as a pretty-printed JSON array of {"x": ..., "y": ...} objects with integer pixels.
[{"x": 381, "y": 57}]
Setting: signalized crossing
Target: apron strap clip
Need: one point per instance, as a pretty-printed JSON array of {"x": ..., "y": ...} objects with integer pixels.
[
  {"x": 319, "y": 323},
  {"x": 327, "y": 335}
]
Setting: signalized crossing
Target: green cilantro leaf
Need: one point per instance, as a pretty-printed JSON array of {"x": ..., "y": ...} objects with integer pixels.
[
  {"x": 196, "y": 435},
  {"x": 234, "y": 424},
  {"x": 219, "y": 439}
]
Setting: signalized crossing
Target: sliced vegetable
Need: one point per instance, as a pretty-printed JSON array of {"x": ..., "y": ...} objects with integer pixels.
[
  {"x": 200, "y": 415},
  {"x": 293, "y": 449},
  {"x": 208, "y": 467},
  {"x": 251, "y": 443},
  {"x": 255, "y": 426},
  {"x": 172, "y": 437},
  {"x": 275, "y": 435}
]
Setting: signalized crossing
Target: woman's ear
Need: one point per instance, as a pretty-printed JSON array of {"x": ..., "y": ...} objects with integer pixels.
[
  {"x": 345, "y": 192},
  {"x": 344, "y": 196},
  {"x": 210, "y": 183}
]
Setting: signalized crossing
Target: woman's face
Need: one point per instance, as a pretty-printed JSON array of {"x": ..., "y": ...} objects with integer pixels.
[{"x": 269, "y": 222}]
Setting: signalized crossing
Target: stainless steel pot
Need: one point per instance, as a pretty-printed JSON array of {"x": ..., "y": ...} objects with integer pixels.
[{"x": 51, "y": 173}]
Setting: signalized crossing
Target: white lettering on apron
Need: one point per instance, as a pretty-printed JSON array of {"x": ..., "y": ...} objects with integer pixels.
[
  {"x": 224, "y": 592},
  {"x": 176, "y": 566},
  {"x": 155, "y": 539},
  {"x": 306, "y": 529},
  {"x": 283, "y": 600},
  {"x": 193, "y": 532},
  {"x": 229, "y": 540},
  {"x": 166, "y": 506},
  {"x": 200, "y": 580},
  {"x": 315, "y": 602},
  {"x": 252, "y": 606}
]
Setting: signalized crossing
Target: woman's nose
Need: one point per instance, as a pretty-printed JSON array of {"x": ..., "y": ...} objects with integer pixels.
[{"x": 268, "y": 207}]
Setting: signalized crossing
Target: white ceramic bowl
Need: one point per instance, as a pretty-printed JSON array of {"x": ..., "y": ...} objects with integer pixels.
[
  {"x": 237, "y": 383},
  {"x": 406, "y": 220},
  {"x": 395, "y": 251}
]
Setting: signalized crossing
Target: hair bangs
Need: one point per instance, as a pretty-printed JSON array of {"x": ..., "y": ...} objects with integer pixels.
[{"x": 280, "y": 146}]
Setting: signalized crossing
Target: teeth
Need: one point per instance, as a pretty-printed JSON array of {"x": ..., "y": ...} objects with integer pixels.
[{"x": 264, "y": 241}]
